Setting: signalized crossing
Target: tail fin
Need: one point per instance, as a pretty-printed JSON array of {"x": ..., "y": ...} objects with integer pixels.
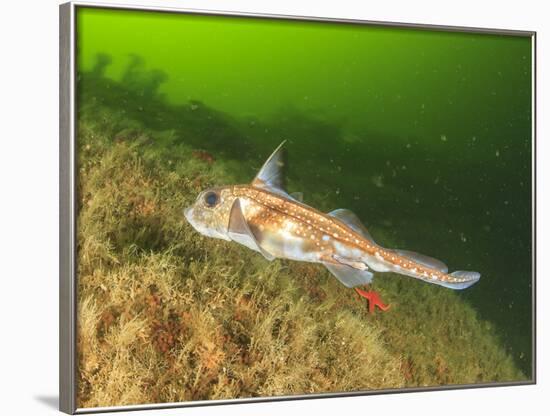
[
  {"x": 457, "y": 280},
  {"x": 463, "y": 280}
]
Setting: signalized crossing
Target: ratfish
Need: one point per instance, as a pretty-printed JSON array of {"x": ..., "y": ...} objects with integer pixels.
[{"x": 265, "y": 218}]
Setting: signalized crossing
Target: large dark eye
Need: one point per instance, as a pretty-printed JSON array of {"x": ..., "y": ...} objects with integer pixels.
[{"x": 211, "y": 198}]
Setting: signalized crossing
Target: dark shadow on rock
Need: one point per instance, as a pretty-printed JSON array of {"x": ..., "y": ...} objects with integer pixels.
[
  {"x": 102, "y": 62},
  {"x": 137, "y": 96}
]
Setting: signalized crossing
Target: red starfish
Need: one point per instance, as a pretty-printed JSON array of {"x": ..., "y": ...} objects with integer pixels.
[{"x": 374, "y": 300}]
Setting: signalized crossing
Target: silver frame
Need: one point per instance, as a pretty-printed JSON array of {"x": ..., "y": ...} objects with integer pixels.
[{"x": 68, "y": 214}]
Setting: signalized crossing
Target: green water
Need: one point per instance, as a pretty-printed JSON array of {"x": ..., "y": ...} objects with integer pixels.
[{"x": 426, "y": 135}]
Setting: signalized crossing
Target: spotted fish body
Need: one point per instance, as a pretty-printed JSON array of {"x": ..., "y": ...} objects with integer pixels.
[{"x": 264, "y": 218}]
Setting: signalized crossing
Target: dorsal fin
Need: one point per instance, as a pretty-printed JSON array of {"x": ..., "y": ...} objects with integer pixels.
[
  {"x": 271, "y": 175},
  {"x": 351, "y": 220},
  {"x": 424, "y": 260}
]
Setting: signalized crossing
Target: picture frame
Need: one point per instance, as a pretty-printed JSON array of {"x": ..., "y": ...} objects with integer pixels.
[{"x": 69, "y": 202}]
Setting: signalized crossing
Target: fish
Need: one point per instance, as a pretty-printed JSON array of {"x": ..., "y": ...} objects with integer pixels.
[{"x": 264, "y": 217}]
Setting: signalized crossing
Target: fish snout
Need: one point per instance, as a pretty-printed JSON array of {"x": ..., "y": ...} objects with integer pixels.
[{"x": 188, "y": 213}]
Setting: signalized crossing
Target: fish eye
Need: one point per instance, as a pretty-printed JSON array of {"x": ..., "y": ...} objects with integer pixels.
[{"x": 211, "y": 198}]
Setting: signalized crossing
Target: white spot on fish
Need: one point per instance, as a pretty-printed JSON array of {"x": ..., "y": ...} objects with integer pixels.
[{"x": 326, "y": 237}]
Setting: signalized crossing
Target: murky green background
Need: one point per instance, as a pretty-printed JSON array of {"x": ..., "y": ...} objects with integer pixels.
[{"x": 425, "y": 134}]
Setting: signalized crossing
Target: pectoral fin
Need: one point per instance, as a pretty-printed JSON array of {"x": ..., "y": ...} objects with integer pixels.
[
  {"x": 239, "y": 231},
  {"x": 349, "y": 276}
]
